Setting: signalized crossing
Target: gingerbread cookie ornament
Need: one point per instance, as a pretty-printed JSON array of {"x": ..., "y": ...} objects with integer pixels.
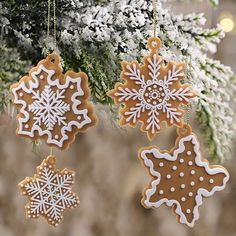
[
  {"x": 180, "y": 178},
  {"x": 49, "y": 192},
  {"x": 52, "y": 105},
  {"x": 152, "y": 92}
]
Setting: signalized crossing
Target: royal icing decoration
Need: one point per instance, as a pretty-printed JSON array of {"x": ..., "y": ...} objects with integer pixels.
[
  {"x": 152, "y": 92},
  {"x": 49, "y": 192},
  {"x": 188, "y": 184},
  {"x": 52, "y": 105}
]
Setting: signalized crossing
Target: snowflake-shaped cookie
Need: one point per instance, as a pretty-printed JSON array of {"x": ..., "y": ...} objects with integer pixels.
[
  {"x": 152, "y": 92},
  {"x": 180, "y": 178},
  {"x": 49, "y": 192},
  {"x": 51, "y": 105}
]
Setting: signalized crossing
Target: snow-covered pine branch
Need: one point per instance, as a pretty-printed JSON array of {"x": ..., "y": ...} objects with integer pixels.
[{"x": 118, "y": 30}]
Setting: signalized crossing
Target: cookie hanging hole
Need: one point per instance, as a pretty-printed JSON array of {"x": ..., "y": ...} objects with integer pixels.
[
  {"x": 185, "y": 130},
  {"x": 53, "y": 59},
  {"x": 51, "y": 159},
  {"x": 154, "y": 43}
]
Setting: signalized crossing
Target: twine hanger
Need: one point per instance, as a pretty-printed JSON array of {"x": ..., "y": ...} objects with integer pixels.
[
  {"x": 154, "y": 6},
  {"x": 54, "y": 34},
  {"x": 54, "y": 26}
]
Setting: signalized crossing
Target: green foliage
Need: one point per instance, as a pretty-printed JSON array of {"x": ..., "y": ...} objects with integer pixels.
[
  {"x": 215, "y": 3},
  {"x": 28, "y": 22},
  {"x": 11, "y": 68},
  {"x": 100, "y": 67},
  {"x": 94, "y": 35}
]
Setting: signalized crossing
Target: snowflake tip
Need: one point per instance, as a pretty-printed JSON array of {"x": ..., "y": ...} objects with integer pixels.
[{"x": 152, "y": 92}]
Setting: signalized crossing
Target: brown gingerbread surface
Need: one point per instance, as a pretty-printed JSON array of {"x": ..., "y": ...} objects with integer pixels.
[
  {"x": 52, "y": 105},
  {"x": 49, "y": 192},
  {"x": 152, "y": 92},
  {"x": 180, "y": 178}
]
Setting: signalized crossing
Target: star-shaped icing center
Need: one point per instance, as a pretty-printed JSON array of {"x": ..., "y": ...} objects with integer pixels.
[{"x": 181, "y": 179}]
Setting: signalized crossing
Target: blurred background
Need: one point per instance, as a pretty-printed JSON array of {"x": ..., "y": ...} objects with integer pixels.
[{"x": 109, "y": 177}]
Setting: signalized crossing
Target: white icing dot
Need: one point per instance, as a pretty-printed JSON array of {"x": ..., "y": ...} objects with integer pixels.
[
  {"x": 26, "y": 126},
  {"x": 174, "y": 168},
  {"x": 79, "y": 117},
  {"x": 182, "y": 186},
  {"x": 161, "y": 192},
  {"x": 168, "y": 176},
  {"x": 41, "y": 77},
  {"x": 72, "y": 87},
  {"x": 211, "y": 181},
  {"x": 190, "y": 194},
  {"x": 21, "y": 94},
  {"x": 161, "y": 164},
  {"x": 181, "y": 174},
  {"x": 193, "y": 172},
  {"x": 201, "y": 178},
  {"x": 56, "y": 136},
  {"x": 188, "y": 211},
  {"x": 192, "y": 183},
  {"x": 183, "y": 199},
  {"x": 181, "y": 160},
  {"x": 172, "y": 189},
  {"x": 189, "y": 153},
  {"x": 190, "y": 163}
]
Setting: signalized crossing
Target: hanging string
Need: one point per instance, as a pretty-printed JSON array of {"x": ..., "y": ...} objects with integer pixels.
[
  {"x": 188, "y": 107},
  {"x": 54, "y": 26},
  {"x": 51, "y": 151},
  {"x": 154, "y": 6},
  {"x": 54, "y": 34},
  {"x": 188, "y": 114},
  {"x": 48, "y": 24}
]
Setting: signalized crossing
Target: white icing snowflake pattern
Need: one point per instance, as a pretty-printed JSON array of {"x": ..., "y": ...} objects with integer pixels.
[
  {"x": 152, "y": 92},
  {"x": 51, "y": 105},
  {"x": 49, "y": 192}
]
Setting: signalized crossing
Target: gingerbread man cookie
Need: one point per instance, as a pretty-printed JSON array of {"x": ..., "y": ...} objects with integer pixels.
[
  {"x": 180, "y": 178},
  {"x": 152, "y": 92},
  {"x": 51, "y": 105},
  {"x": 49, "y": 192}
]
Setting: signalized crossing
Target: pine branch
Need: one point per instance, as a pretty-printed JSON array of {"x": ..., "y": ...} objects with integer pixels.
[{"x": 97, "y": 34}]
